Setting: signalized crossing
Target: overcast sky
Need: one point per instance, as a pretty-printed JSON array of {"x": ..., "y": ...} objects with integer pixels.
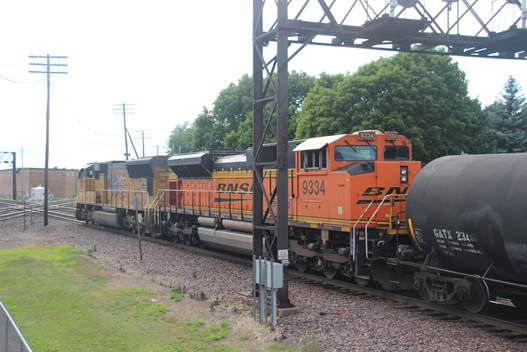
[{"x": 169, "y": 58}]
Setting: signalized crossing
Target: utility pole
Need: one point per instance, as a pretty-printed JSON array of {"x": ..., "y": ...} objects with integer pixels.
[
  {"x": 142, "y": 134},
  {"x": 48, "y": 64},
  {"x": 122, "y": 109}
]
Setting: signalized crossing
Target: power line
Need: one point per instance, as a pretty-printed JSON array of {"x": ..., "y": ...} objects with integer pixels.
[
  {"x": 51, "y": 65},
  {"x": 16, "y": 81}
]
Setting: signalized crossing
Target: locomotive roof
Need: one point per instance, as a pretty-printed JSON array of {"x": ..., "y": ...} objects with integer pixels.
[
  {"x": 317, "y": 142},
  {"x": 138, "y": 168},
  {"x": 236, "y": 161}
]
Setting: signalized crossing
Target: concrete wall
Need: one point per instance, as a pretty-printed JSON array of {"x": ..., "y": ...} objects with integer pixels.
[{"x": 62, "y": 182}]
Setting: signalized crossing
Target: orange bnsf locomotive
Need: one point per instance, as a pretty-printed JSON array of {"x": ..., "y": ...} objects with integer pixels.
[
  {"x": 346, "y": 199},
  {"x": 459, "y": 235}
]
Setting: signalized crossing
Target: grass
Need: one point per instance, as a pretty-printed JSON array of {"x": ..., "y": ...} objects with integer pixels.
[{"x": 62, "y": 302}]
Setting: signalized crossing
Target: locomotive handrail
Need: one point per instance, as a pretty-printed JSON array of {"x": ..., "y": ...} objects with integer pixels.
[
  {"x": 201, "y": 208},
  {"x": 205, "y": 190},
  {"x": 122, "y": 192},
  {"x": 352, "y": 244},
  {"x": 352, "y": 240},
  {"x": 373, "y": 215}
]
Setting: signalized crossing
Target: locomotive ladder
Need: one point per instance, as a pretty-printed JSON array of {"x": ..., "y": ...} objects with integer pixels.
[
  {"x": 368, "y": 251},
  {"x": 153, "y": 211}
]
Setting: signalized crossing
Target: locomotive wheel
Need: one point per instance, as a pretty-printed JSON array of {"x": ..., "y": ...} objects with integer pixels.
[
  {"x": 301, "y": 266},
  {"x": 478, "y": 300},
  {"x": 299, "y": 262},
  {"x": 329, "y": 272},
  {"x": 362, "y": 281}
]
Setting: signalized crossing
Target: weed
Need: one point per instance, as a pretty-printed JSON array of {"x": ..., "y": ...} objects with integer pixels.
[
  {"x": 217, "y": 331},
  {"x": 176, "y": 294},
  {"x": 194, "y": 325}
]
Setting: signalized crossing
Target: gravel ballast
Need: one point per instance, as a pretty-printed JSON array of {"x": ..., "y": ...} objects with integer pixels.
[{"x": 331, "y": 320}]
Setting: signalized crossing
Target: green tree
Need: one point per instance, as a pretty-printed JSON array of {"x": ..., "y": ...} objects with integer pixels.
[
  {"x": 507, "y": 118},
  {"x": 206, "y": 132},
  {"x": 231, "y": 115},
  {"x": 421, "y": 96},
  {"x": 180, "y": 140}
]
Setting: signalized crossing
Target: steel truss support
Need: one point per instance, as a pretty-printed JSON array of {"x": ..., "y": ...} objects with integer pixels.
[
  {"x": 472, "y": 28},
  {"x": 270, "y": 87},
  {"x": 476, "y": 28}
]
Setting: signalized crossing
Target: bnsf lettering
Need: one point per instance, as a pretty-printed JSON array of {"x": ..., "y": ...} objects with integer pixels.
[
  {"x": 233, "y": 187},
  {"x": 373, "y": 191},
  {"x": 377, "y": 191},
  {"x": 381, "y": 191}
]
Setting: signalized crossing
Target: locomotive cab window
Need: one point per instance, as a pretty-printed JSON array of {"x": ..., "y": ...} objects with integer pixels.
[
  {"x": 396, "y": 153},
  {"x": 314, "y": 159},
  {"x": 355, "y": 152}
]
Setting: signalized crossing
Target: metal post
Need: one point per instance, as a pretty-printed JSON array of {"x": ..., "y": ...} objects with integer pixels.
[
  {"x": 273, "y": 297},
  {"x": 261, "y": 290},
  {"x": 524, "y": 14},
  {"x": 257, "y": 129},
  {"x": 143, "y": 139},
  {"x": 254, "y": 287},
  {"x": 14, "y": 175},
  {"x": 46, "y": 163},
  {"x": 125, "y": 130},
  {"x": 282, "y": 149},
  {"x": 138, "y": 235},
  {"x": 6, "y": 333}
]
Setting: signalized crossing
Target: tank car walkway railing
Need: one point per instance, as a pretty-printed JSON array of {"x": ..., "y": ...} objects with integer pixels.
[{"x": 11, "y": 338}]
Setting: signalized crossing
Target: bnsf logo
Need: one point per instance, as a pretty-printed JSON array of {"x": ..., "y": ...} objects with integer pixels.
[
  {"x": 381, "y": 191},
  {"x": 234, "y": 187}
]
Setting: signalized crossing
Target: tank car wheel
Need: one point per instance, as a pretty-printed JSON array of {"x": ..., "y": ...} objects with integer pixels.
[
  {"x": 478, "y": 300},
  {"x": 520, "y": 302},
  {"x": 329, "y": 272}
]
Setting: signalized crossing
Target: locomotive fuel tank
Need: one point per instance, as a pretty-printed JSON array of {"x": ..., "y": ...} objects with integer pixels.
[{"x": 470, "y": 212}]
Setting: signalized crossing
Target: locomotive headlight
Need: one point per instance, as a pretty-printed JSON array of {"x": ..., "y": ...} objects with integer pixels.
[{"x": 404, "y": 174}]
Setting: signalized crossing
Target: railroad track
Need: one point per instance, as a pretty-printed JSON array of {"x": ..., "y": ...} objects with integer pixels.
[
  {"x": 501, "y": 320},
  {"x": 12, "y": 210}
]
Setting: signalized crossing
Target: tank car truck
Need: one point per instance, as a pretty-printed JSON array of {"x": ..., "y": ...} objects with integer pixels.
[{"x": 467, "y": 215}]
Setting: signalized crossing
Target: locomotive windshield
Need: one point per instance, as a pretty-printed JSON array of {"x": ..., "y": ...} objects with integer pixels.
[
  {"x": 396, "y": 153},
  {"x": 355, "y": 152}
]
